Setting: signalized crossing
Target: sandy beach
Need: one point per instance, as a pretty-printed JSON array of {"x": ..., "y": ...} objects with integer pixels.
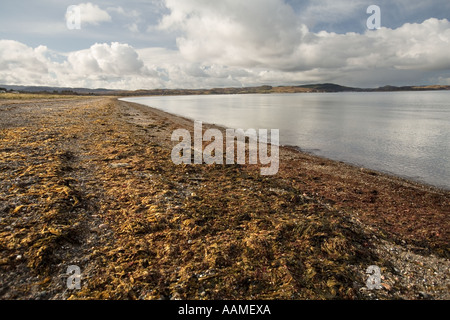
[{"x": 89, "y": 182}]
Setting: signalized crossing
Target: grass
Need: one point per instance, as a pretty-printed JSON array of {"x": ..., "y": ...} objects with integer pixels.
[{"x": 31, "y": 96}]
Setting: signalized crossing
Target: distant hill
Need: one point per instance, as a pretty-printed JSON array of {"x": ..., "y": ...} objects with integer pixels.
[
  {"x": 57, "y": 90},
  {"x": 412, "y": 88},
  {"x": 310, "y": 88},
  {"x": 328, "y": 87}
]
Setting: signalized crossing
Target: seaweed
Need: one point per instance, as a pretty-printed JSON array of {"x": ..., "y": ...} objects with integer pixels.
[{"x": 84, "y": 185}]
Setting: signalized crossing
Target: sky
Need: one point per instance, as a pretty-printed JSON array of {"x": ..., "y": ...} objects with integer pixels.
[{"x": 138, "y": 44}]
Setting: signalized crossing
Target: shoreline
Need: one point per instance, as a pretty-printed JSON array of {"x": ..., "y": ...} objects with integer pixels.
[
  {"x": 419, "y": 184},
  {"x": 418, "y": 181},
  {"x": 90, "y": 183},
  {"x": 401, "y": 179},
  {"x": 377, "y": 179}
]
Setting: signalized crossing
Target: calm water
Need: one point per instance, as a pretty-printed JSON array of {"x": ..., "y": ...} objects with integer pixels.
[{"x": 404, "y": 133}]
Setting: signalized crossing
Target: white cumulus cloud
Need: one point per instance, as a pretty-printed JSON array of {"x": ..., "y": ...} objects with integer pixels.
[
  {"x": 17, "y": 60},
  {"x": 108, "y": 59},
  {"x": 245, "y": 33},
  {"x": 267, "y": 34},
  {"x": 91, "y": 14}
]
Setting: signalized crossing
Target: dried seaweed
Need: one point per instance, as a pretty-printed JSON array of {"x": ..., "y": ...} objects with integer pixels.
[{"x": 84, "y": 186}]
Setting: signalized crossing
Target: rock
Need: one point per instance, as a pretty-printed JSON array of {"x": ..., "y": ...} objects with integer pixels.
[
  {"x": 425, "y": 296},
  {"x": 397, "y": 271}
]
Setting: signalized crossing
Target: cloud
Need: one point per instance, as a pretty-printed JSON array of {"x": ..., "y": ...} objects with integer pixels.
[
  {"x": 17, "y": 59},
  {"x": 133, "y": 27},
  {"x": 112, "y": 65},
  {"x": 267, "y": 34},
  {"x": 240, "y": 43},
  {"x": 115, "y": 59},
  {"x": 91, "y": 14},
  {"x": 332, "y": 11},
  {"x": 130, "y": 19},
  {"x": 126, "y": 13},
  {"x": 228, "y": 31}
]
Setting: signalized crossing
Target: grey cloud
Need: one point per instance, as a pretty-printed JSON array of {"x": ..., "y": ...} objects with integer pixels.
[{"x": 234, "y": 43}]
